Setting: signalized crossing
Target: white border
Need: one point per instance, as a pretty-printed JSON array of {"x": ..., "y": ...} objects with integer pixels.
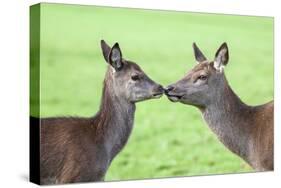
[{"x": 14, "y": 53}]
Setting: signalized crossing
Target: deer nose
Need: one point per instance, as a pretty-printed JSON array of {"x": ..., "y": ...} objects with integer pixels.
[
  {"x": 160, "y": 88},
  {"x": 169, "y": 88}
]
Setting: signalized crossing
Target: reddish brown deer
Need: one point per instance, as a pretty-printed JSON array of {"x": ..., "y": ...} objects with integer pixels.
[
  {"x": 245, "y": 130},
  {"x": 81, "y": 149}
]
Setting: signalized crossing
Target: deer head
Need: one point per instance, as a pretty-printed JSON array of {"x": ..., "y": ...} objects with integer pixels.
[
  {"x": 201, "y": 85},
  {"x": 126, "y": 79}
]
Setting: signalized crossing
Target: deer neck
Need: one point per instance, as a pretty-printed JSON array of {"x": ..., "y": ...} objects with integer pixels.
[
  {"x": 115, "y": 120},
  {"x": 229, "y": 118}
]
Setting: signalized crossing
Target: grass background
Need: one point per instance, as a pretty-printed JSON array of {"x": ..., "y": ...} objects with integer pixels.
[{"x": 168, "y": 139}]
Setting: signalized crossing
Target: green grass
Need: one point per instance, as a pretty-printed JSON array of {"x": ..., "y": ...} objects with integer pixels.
[{"x": 168, "y": 139}]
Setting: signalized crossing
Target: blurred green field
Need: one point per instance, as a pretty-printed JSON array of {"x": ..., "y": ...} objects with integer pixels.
[{"x": 168, "y": 139}]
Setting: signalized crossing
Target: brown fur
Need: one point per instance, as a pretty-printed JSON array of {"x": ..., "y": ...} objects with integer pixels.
[
  {"x": 74, "y": 149},
  {"x": 245, "y": 130}
]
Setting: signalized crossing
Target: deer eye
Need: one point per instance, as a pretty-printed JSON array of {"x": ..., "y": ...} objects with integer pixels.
[
  {"x": 135, "y": 77},
  {"x": 202, "y": 77}
]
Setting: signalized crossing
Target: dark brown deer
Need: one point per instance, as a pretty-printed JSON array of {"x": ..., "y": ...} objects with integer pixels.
[
  {"x": 245, "y": 130},
  {"x": 81, "y": 149}
]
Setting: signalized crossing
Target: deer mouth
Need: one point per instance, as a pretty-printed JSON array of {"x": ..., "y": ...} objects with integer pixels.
[
  {"x": 157, "y": 95},
  {"x": 174, "y": 98}
]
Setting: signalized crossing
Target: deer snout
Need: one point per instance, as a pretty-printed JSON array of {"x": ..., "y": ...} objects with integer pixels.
[
  {"x": 158, "y": 91},
  {"x": 160, "y": 88},
  {"x": 172, "y": 93},
  {"x": 168, "y": 89}
]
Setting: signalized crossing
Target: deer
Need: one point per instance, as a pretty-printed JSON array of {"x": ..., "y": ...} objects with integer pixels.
[
  {"x": 81, "y": 149},
  {"x": 247, "y": 131}
]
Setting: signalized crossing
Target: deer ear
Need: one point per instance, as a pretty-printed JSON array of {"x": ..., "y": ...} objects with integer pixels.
[
  {"x": 221, "y": 57},
  {"x": 198, "y": 54},
  {"x": 105, "y": 50},
  {"x": 115, "y": 57}
]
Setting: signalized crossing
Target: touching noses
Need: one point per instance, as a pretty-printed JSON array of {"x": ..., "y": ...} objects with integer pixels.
[
  {"x": 160, "y": 88},
  {"x": 169, "y": 88}
]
